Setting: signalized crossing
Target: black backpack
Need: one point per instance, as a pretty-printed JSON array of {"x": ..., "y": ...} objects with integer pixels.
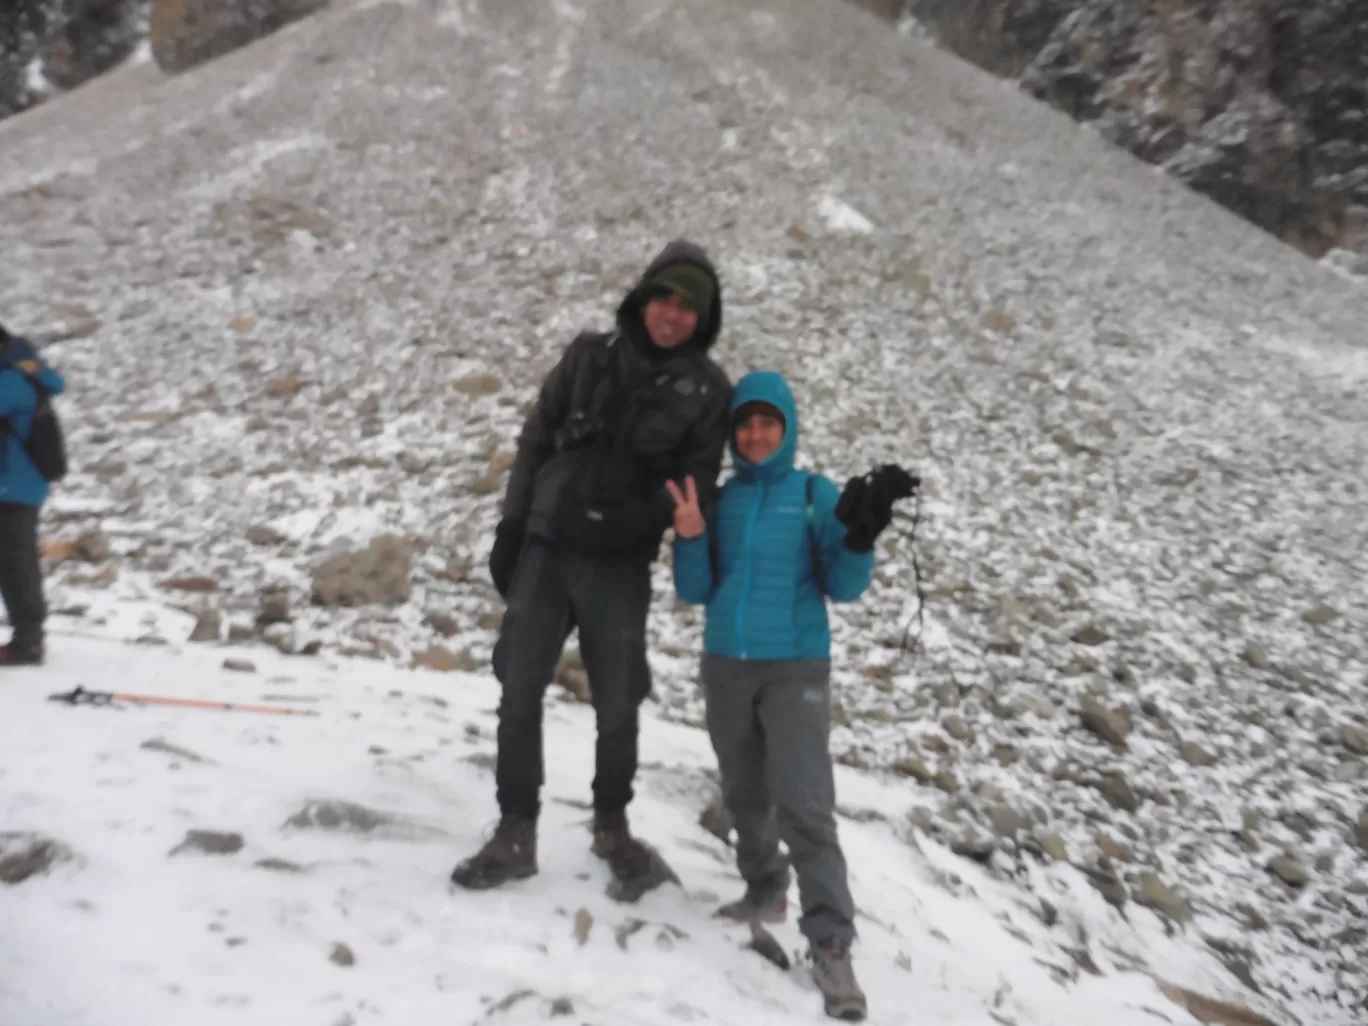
[{"x": 46, "y": 444}]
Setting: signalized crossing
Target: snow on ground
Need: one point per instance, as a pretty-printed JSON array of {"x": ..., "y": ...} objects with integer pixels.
[
  {"x": 302, "y": 295},
  {"x": 128, "y": 930}
]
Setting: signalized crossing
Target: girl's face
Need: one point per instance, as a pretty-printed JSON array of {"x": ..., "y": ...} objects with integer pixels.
[{"x": 759, "y": 436}]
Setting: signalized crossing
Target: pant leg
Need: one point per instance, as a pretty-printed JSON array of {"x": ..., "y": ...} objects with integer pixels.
[
  {"x": 795, "y": 709},
  {"x": 611, "y": 597},
  {"x": 21, "y": 575},
  {"x": 732, "y": 687},
  {"x": 530, "y": 641}
]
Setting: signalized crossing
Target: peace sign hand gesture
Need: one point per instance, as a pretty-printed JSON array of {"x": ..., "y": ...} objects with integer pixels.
[{"x": 688, "y": 518}]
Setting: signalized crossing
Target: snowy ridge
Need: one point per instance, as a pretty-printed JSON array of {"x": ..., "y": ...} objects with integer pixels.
[
  {"x": 302, "y": 295},
  {"x": 129, "y": 929}
]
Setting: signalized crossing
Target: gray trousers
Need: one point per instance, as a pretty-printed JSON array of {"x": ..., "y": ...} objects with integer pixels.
[{"x": 770, "y": 721}]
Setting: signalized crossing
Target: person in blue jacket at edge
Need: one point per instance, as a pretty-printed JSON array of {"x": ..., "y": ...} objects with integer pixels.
[
  {"x": 23, "y": 490},
  {"x": 779, "y": 543}
]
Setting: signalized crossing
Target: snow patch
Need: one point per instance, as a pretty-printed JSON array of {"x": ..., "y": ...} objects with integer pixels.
[
  {"x": 840, "y": 216},
  {"x": 247, "y": 163},
  {"x": 211, "y": 938}
]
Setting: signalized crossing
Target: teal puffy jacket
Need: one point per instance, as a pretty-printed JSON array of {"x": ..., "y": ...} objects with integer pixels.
[
  {"x": 20, "y": 482},
  {"x": 754, "y": 566}
]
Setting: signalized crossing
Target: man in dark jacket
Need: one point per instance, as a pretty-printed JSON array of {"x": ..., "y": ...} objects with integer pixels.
[
  {"x": 23, "y": 490},
  {"x": 585, "y": 510}
]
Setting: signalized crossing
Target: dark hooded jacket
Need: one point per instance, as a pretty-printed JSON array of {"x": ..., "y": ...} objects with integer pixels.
[{"x": 615, "y": 419}]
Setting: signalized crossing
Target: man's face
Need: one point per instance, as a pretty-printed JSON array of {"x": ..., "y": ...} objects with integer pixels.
[
  {"x": 669, "y": 320},
  {"x": 759, "y": 436}
]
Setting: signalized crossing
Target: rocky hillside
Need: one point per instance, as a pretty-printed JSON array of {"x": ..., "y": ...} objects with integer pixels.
[
  {"x": 47, "y": 46},
  {"x": 1260, "y": 104},
  {"x": 304, "y": 292}
]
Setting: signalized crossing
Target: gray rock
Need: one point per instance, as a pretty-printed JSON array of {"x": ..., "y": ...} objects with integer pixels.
[
  {"x": 1113, "y": 849},
  {"x": 1054, "y": 846},
  {"x": 184, "y": 33},
  {"x": 1256, "y": 656},
  {"x": 1354, "y": 739},
  {"x": 1108, "y": 724},
  {"x": 208, "y": 626},
  {"x": 276, "y": 865},
  {"x": 239, "y": 665},
  {"x": 1108, "y": 885},
  {"x": 91, "y": 547},
  {"x": 209, "y": 842},
  {"x": 911, "y": 766},
  {"x": 1320, "y": 615},
  {"x": 561, "y": 1006},
  {"x": 1007, "y": 822},
  {"x": 343, "y": 816},
  {"x": 957, "y": 728},
  {"x": 342, "y": 955},
  {"x": 156, "y": 744},
  {"x": 1195, "y": 755},
  {"x": 1152, "y": 892},
  {"x": 273, "y": 607},
  {"x": 1361, "y": 830},
  {"x": 265, "y": 536},
  {"x": 1117, "y": 790},
  {"x": 974, "y": 845},
  {"x": 24, "y": 856},
  {"x": 1091, "y": 635},
  {"x": 1253, "y": 918},
  {"x": 1289, "y": 870},
  {"x": 377, "y": 574}
]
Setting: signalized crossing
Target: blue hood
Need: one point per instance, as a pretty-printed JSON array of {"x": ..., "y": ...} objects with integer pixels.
[
  {"x": 20, "y": 353},
  {"x": 768, "y": 387}
]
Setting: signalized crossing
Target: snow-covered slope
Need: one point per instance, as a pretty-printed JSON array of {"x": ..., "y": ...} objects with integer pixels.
[
  {"x": 129, "y": 927},
  {"x": 303, "y": 293}
]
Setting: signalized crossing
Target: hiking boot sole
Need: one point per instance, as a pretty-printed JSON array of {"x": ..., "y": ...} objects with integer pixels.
[
  {"x": 478, "y": 882},
  {"x": 847, "y": 1009},
  {"x": 770, "y": 916}
]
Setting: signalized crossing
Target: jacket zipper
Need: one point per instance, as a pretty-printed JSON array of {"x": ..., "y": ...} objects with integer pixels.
[{"x": 750, "y": 558}]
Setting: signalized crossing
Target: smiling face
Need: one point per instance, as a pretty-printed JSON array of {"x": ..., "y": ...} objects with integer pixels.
[
  {"x": 669, "y": 320},
  {"x": 759, "y": 435}
]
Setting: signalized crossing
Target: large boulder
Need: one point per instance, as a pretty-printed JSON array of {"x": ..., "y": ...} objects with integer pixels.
[
  {"x": 1257, "y": 105},
  {"x": 50, "y": 45},
  {"x": 377, "y": 574},
  {"x": 184, "y": 33}
]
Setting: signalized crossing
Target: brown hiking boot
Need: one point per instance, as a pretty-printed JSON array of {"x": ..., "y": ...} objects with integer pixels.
[
  {"x": 511, "y": 854},
  {"x": 612, "y": 835},
  {"x": 835, "y": 978},
  {"x": 754, "y": 907}
]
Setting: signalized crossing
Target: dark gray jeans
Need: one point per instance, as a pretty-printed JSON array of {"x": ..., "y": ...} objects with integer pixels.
[
  {"x": 770, "y": 721},
  {"x": 607, "y": 599},
  {"x": 21, "y": 576}
]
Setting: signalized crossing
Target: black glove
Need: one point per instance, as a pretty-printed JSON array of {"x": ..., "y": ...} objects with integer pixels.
[
  {"x": 503, "y": 557},
  {"x": 866, "y": 504}
]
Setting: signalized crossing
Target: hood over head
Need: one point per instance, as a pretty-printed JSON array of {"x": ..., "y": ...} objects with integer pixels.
[
  {"x": 771, "y": 388},
  {"x": 692, "y": 258}
]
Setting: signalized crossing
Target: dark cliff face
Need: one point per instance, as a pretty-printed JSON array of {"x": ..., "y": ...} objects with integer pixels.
[
  {"x": 1260, "y": 104},
  {"x": 59, "y": 44}
]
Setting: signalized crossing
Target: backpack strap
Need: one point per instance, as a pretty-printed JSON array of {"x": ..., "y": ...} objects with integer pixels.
[{"x": 818, "y": 573}]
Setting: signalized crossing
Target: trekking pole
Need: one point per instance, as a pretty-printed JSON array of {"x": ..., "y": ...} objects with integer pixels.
[
  {"x": 80, "y": 696},
  {"x": 920, "y": 615}
]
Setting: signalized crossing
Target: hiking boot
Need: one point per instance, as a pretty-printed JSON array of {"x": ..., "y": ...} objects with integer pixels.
[
  {"x": 511, "y": 854},
  {"x": 21, "y": 655},
  {"x": 835, "y": 978},
  {"x": 611, "y": 834},
  {"x": 756, "y": 907}
]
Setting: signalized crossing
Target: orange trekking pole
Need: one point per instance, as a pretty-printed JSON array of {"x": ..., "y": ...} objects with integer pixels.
[{"x": 80, "y": 696}]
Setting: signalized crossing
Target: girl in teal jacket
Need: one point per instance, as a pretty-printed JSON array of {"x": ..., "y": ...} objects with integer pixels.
[{"x": 780, "y": 542}]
